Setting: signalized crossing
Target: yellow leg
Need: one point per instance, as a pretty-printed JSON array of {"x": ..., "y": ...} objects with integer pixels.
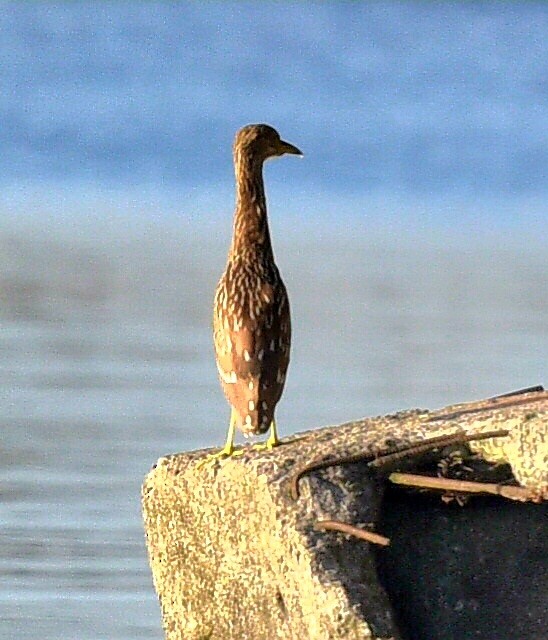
[
  {"x": 273, "y": 440},
  {"x": 228, "y": 450}
]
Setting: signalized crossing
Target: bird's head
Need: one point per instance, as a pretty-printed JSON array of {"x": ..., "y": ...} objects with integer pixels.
[{"x": 261, "y": 141}]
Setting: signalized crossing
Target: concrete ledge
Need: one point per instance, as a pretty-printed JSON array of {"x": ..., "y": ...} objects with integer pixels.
[{"x": 233, "y": 556}]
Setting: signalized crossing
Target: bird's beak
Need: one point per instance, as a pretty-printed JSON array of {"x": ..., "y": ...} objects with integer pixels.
[{"x": 286, "y": 147}]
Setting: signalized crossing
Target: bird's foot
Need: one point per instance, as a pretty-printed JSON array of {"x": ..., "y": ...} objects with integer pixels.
[
  {"x": 263, "y": 446},
  {"x": 223, "y": 454},
  {"x": 269, "y": 444}
]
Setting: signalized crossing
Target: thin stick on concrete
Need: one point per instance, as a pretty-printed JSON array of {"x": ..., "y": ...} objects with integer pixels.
[
  {"x": 343, "y": 527},
  {"x": 433, "y": 443},
  {"x": 523, "y": 494},
  {"x": 392, "y": 455},
  {"x": 535, "y": 389},
  {"x": 503, "y": 402}
]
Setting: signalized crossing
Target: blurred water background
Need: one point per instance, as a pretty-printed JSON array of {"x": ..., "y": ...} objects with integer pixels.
[{"x": 412, "y": 239}]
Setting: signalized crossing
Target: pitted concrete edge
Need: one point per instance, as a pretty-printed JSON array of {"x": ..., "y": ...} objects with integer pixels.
[{"x": 234, "y": 557}]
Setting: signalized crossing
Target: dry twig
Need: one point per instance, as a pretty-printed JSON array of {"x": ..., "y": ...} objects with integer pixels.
[
  {"x": 433, "y": 443},
  {"x": 523, "y": 494},
  {"x": 362, "y": 534},
  {"x": 392, "y": 455},
  {"x": 535, "y": 389},
  {"x": 503, "y": 403}
]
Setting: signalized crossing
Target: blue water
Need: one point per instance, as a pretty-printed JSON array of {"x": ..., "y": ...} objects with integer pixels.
[
  {"x": 404, "y": 97},
  {"x": 412, "y": 239}
]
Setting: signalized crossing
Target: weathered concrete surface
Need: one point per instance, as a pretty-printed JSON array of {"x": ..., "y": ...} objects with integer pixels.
[{"x": 234, "y": 557}]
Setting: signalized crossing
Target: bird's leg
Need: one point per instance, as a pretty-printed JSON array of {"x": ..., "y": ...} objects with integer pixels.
[
  {"x": 228, "y": 450},
  {"x": 273, "y": 440}
]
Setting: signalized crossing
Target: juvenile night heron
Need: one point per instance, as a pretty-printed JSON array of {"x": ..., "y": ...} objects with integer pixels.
[{"x": 251, "y": 321}]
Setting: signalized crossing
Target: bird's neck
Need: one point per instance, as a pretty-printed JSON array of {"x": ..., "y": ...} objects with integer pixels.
[{"x": 250, "y": 233}]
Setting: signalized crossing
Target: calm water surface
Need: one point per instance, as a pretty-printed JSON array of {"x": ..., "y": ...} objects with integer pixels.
[{"x": 107, "y": 365}]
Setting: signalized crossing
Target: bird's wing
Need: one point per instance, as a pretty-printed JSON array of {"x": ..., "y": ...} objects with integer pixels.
[{"x": 252, "y": 351}]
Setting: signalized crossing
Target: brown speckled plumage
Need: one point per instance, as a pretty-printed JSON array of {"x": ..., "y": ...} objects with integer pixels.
[{"x": 251, "y": 319}]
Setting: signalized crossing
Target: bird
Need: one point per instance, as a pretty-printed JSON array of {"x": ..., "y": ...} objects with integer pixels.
[{"x": 251, "y": 314}]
